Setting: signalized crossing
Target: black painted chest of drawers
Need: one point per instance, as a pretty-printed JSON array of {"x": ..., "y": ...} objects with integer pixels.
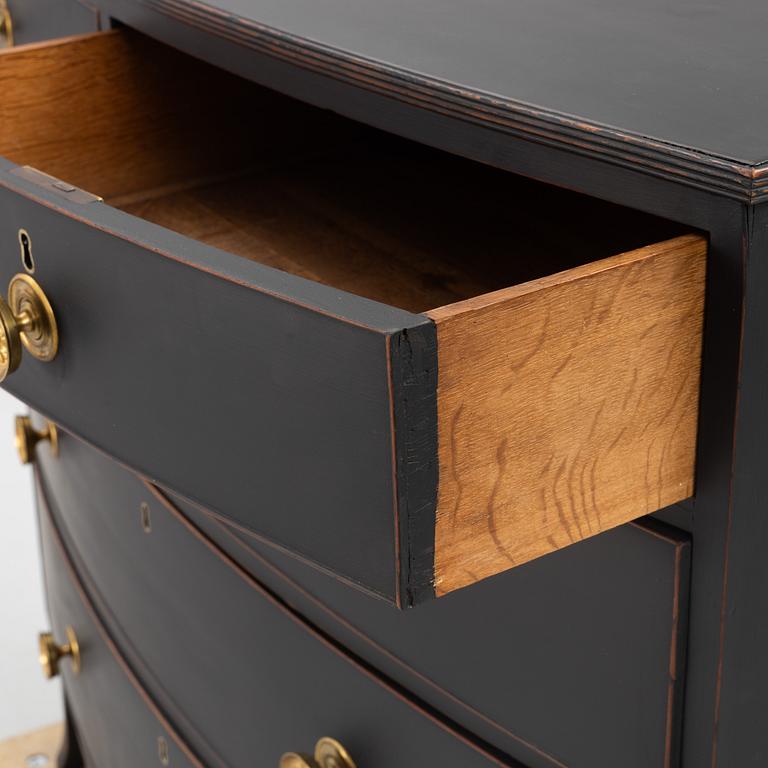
[{"x": 396, "y": 377}]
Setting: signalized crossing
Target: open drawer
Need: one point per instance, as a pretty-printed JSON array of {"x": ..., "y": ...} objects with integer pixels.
[{"x": 406, "y": 368}]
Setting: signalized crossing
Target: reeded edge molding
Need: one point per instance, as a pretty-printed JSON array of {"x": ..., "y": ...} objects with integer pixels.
[{"x": 720, "y": 175}]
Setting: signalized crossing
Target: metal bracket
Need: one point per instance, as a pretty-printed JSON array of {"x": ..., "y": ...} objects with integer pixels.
[{"x": 51, "y": 183}]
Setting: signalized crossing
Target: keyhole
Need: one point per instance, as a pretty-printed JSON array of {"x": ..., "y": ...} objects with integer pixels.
[
  {"x": 25, "y": 243},
  {"x": 162, "y": 751},
  {"x": 146, "y": 519}
]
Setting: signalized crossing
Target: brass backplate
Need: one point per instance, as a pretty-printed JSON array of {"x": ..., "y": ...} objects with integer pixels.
[
  {"x": 39, "y": 331},
  {"x": 329, "y": 753},
  {"x": 10, "y": 342}
]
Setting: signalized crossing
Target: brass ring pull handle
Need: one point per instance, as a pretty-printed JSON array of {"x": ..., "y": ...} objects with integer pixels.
[
  {"x": 51, "y": 653},
  {"x": 27, "y": 438},
  {"x": 6, "y": 25},
  {"x": 328, "y": 754},
  {"x": 26, "y": 319}
]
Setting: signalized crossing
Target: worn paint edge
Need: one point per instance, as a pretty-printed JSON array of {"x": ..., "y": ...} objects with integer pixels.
[{"x": 413, "y": 371}]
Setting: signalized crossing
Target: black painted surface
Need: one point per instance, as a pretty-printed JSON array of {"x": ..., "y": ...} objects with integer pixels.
[
  {"x": 733, "y": 729},
  {"x": 690, "y": 73},
  {"x": 114, "y": 724},
  {"x": 718, "y": 394},
  {"x": 70, "y": 754},
  {"x": 559, "y": 662},
  {"x": 242, "y": 679},
  {"x": 304, "y": 408},
  {"x": 741, "y": 738},
  {"x": 674, "y": 90},
  {"x": 252, "y": 383},
  {"x": 415, "y": 429},
  {"x": 714, "y": 468},
  {"x": 568, "y": 656}
]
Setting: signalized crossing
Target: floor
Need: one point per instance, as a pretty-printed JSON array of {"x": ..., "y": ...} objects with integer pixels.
[{"x": 36, "y": 749}]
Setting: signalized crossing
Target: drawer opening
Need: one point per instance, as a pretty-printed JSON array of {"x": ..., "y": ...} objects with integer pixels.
[
  {"x": 174, "y": 141},
  {"x": 546, "y": 391}
]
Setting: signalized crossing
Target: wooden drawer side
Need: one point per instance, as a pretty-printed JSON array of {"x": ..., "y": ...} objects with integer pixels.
[{"x": 566, "y": 406}]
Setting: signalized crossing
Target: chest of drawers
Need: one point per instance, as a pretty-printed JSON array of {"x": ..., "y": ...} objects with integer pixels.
[{"x": 396, "y": 378}]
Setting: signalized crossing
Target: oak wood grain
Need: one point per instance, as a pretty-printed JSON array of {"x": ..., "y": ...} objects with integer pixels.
[
  {"x": 391, "y": 221},
  {"x": 291, "y": 221},
  {"x": 566, "y": 406},
  {"x": 116, "y": 113}
]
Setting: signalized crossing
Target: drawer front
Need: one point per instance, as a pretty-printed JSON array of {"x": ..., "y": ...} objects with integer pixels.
[
  {"x": 574, "y": 660},
  {"x": 577, "y": 659},
  {"x": 317, "y": 386},
  {"x": 238, "y": 672},
  {"x": 117, "y": 724},
  {"x": 308, "y": 372},
  {"x": 411, "y": 454}
]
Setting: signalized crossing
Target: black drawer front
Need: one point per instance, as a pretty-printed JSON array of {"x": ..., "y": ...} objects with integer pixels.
[
  {"x": 118, "y": 725},
  {"x": 291, "y": 368},
  {"x": 574, "y": 660},
  {"x": 329, "y": 285},
  {"x": 237, "y": 670}
]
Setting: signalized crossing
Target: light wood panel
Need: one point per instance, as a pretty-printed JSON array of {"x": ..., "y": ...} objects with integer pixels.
[
  {"x": 285, "y": 220},
  {"x": 566, "y": 406},
  {"x": 114, "y": 113},
  {"x": 44, "y": 741}
]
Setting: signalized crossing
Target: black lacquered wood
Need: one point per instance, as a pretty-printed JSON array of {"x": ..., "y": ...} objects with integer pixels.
[
  {"x": 691, "y": 48},
  {"x": 252, "y": 383},
  {"x": 588, "y": 637},
  {"x": 236, "y": 670},
  {"x": 742, "y": 671},
  {"x": 586, "y": 641},
  {"x": 119, "y": 725},
  {"x": 674, "y": 91}
]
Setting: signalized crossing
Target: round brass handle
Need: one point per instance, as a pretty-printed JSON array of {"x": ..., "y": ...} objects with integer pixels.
[
  {"x": 328, "y": 754},
  {"x": 27, "y": 438},
  {"x": 26, "y": 319},
  {"x": 6, "y": 25},
  {"x": 51, "y": 653}
]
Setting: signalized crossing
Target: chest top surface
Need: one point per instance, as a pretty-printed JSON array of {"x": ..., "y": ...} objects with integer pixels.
[
  {"x": 689, "y": 72},
  {"x": 681, "y": 83}
]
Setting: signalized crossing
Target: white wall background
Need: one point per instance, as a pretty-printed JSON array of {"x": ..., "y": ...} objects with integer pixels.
[{"x": 27, "y": 700}]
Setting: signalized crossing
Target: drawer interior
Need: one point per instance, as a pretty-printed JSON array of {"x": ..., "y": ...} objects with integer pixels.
[
  {"x": 581, "y": 320},
  {"x": 227, "y": 162}
]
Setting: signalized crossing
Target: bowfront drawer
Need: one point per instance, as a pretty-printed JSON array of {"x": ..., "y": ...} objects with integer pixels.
[
  {"x": 576, "y": 660},
  {"x": 118, "y": 724},
  {"x": 405, "y": 368},
  {"x": 242, "y": 676}
]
